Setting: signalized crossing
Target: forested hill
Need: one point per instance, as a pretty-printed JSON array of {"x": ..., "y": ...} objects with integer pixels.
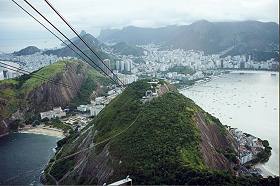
[
  {"x": 167, "y": 140},
  {"x": 24, "y": 97},
  {"x": 27, "y": 51}
]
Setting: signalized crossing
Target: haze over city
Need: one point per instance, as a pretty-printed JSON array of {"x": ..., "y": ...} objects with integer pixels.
[{"x": 18, "y": 30}]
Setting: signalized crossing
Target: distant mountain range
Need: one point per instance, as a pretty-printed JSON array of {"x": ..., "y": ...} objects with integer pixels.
[
  {"x": 245, "y": 37},
  {"x": 258, "y": 39}
]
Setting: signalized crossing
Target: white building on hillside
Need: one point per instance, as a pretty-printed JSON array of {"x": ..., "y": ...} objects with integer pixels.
[
  {"x": 56, "y": 112},
  {"x": 94, "y": 110}
]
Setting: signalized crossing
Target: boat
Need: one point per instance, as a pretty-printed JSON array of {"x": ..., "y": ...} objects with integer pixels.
[{"x": 273, "y": 74}]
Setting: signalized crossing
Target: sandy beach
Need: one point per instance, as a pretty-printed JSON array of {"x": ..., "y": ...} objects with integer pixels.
[{"x": 44, "y": 130}]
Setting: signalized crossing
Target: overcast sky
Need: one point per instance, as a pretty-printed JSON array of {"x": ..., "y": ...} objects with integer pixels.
[{"x": 19, "y": 30}]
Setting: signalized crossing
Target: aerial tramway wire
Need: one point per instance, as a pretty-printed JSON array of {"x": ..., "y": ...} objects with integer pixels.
[
  {"x": 89, "y": 148},
  {"x": 68, "y": 39},
  {"x": 54, "y": 34},
  {"x": 118, "y": 83},
  {"x": 76, "y": 33}
]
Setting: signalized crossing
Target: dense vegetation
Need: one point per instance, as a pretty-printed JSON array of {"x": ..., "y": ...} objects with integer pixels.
[
  {"x": 47, "y": 73},
  {"x": 93, "y": 79},
  {"x": 156, "y": 143},
  {"x": 27, "y": 51},
  {"x": 125, "y": 49},
  {"x": 56, "y": 123},
  {"x": 264, "y": 155},
  {"x": 182, "y": 70}
]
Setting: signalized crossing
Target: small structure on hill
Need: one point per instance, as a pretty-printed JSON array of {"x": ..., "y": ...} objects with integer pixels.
[{"x": 56, "y": 112}]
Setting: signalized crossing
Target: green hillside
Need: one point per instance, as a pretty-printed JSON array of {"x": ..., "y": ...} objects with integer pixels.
[
  {"x": 156, "y": 142},
  {"x": 125, "y": 49},
  {"x": 18, "y": 93}
]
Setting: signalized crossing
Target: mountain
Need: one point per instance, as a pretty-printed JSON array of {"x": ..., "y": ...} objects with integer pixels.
[
  {"x": 167, "y": 140},
  {"x": 23, "y": 98},
  {"x": 65, "y": 51},
  {"x": 124, "y": 49},
  {"x": 244, "y": 37},
  {"x": 27, "y": 51},
  {"x": 136, "y": 35},
  {"x": 91, "y": 41}
]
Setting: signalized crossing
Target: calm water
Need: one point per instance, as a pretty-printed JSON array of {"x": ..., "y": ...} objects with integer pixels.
[
  {"x": 23, "y": 157},
  {"x": 248, "y": 101}
]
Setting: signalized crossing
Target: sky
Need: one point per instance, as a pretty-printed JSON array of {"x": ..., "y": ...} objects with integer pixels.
[{"x": 18, "y": 30}]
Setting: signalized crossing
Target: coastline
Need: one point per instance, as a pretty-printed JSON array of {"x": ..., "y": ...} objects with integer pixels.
[
  {"x": 43, "y": 130},
  {"x": 265, "y": 172}
]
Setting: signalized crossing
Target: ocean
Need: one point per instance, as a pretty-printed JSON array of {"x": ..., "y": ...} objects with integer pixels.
[
  {"x": 23, "y": 157},
  {"x": 247, "y": 100}
]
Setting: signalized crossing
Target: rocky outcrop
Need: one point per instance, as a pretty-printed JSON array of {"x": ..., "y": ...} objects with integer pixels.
[
  {"x": 50, "y": 95},
  {"x": 213, "y": 141},
  {"x": 69, "y": 82}
]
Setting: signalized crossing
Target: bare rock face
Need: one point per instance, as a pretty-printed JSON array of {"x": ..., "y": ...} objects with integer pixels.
[
  {"x": 50, "y": 95},
  {"x": 211, "y": 140},
  {"x": 88, "y": 169}
]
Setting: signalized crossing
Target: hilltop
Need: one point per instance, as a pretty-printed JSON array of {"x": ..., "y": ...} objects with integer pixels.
[
  {"x": 27, "y": 51},
  {"x": 166, "y": 140},
  {"x": 24, "y": 97},
  {"x": 125, "y": 49}
]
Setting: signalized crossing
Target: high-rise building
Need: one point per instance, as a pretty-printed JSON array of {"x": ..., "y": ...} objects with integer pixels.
[
  {"x": 242, "y": 64},
  {"x": 127, "y": 65},
  {"x": 122, "y": 66},
  {"x": 118, "y": 65},
  {"x": 106, "y": 65}
]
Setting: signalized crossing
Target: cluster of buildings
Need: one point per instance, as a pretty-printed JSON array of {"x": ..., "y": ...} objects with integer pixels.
[
  {"x": 245, "y": 62},
  {"x": 99, "y": 103},
  {"x": 248, "y": 146},
  {"x": 152, "y": 93},
  {"x": 124, "y": 65},
  {"x": 30, "y": 62},
  {"x": 126, "y": 78},
  {"x": 55, "y": 113},
  {"x": 158, "y": 63},
  {"x": 27, "y": 63},
  {"x": 184, "y": 77},
  {"x": 77, "y": 122},
  {"x": 81, "y": 119},
  {"x": 9, "y": 72}
]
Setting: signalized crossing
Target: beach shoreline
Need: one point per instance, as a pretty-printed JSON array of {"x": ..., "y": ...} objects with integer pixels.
[
  {"x": 43, "y": 130},
  {"x": 265, "y": 172}
]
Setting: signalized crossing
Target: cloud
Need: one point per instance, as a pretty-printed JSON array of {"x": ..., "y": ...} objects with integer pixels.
[{"x": 94, "y": 15}]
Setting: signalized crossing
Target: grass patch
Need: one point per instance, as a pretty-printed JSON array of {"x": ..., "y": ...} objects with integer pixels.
[{"x": 47, "y": 73}]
